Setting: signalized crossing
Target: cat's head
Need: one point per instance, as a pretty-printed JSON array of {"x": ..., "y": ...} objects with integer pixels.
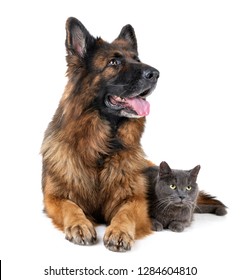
[{"x": 179, "y": 187}]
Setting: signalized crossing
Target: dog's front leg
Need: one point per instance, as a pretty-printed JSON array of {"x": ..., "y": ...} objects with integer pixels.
[
  {"x": 130, "y": 222},
  {"x": 70, "y": 218}
]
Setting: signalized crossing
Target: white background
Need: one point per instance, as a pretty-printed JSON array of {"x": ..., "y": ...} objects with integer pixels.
[{"x": 194, "y": 120}]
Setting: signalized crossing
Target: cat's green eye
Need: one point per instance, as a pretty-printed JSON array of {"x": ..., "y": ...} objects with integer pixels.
[
  {"x": 188, "y": 188},
  {"x": 173, "y": 187}
]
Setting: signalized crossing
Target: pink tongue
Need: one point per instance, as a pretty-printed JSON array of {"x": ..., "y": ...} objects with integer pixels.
[{"x": 141, "y": 106}]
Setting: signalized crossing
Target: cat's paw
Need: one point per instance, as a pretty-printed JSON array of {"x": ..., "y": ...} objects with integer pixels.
[
  {"x": 220, "y": 211},
  {"x": 176, "y": 226},
  {"x": 156, "y": 225}
]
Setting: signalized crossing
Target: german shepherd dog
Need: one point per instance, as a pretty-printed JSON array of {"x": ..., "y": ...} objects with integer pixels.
[{"x": 93, "y": 161}]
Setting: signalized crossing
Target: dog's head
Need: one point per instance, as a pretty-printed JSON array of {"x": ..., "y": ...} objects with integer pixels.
[{"x": 118, "y": 81}]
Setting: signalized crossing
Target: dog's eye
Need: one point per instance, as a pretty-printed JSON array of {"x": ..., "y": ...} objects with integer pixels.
[
  {"x": 136, "y": 58},
  {"x": 114, "y": 62}
]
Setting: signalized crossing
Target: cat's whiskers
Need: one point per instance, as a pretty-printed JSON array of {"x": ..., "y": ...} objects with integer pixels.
[
  {"x": 166, "y": 208},
  {"x": 163, "y": 204},
  {"x": 189, "y": 205},
  {"x": 169, "y": 201},
  {"x": 196, "y": 207}
]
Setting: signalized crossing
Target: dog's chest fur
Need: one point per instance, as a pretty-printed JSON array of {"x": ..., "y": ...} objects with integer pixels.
[{"x": 92, "y": 158}]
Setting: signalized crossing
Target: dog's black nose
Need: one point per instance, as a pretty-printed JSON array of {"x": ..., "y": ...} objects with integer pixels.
[{"x": 151, "y": 74}]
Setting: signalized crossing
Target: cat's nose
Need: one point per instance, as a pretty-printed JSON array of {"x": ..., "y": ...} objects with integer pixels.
[{"x": 182, "y": 196}]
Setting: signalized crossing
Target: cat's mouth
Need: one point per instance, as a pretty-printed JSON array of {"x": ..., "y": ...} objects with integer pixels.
[{"x": 180, "y": 203}]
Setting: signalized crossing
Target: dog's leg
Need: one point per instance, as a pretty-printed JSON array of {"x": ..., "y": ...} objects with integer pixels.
[
  {"x": 70, "y": 218},
  {"x": 209, "y": 204},
  {"x": 130, "y": 222}
]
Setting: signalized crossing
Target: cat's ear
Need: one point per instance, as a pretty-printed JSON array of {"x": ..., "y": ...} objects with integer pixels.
[
  {"x": 194, "y": 172},
  {"x": 164, "y": 170},
  {"x": 78, "y": 39}
]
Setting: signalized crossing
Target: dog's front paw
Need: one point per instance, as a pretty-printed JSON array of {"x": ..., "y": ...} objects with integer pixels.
[
  {"x": 81, "y": 234},
  {"x": 117, "y": 240}
]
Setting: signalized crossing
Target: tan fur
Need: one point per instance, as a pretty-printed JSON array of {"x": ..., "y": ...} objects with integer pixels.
[
  {"x": 92, "y": 165},
  {"x": 76, "y": 188}
]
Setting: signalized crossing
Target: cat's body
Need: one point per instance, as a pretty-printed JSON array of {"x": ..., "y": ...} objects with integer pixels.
[
  {"x": 163, "y": 213},
  {"x": 173, "y": 197}
]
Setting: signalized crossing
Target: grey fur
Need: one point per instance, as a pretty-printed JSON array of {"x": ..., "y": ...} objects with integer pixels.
[{"x": 173, "y": 197}]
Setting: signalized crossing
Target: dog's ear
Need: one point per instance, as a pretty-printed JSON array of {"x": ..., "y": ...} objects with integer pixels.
[
  {"x": 127, "y": 33},
  {"x": 78, "y": 39}
]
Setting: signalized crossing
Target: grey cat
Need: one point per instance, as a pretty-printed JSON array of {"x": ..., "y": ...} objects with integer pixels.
[{"x": 173, "y": 198}]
